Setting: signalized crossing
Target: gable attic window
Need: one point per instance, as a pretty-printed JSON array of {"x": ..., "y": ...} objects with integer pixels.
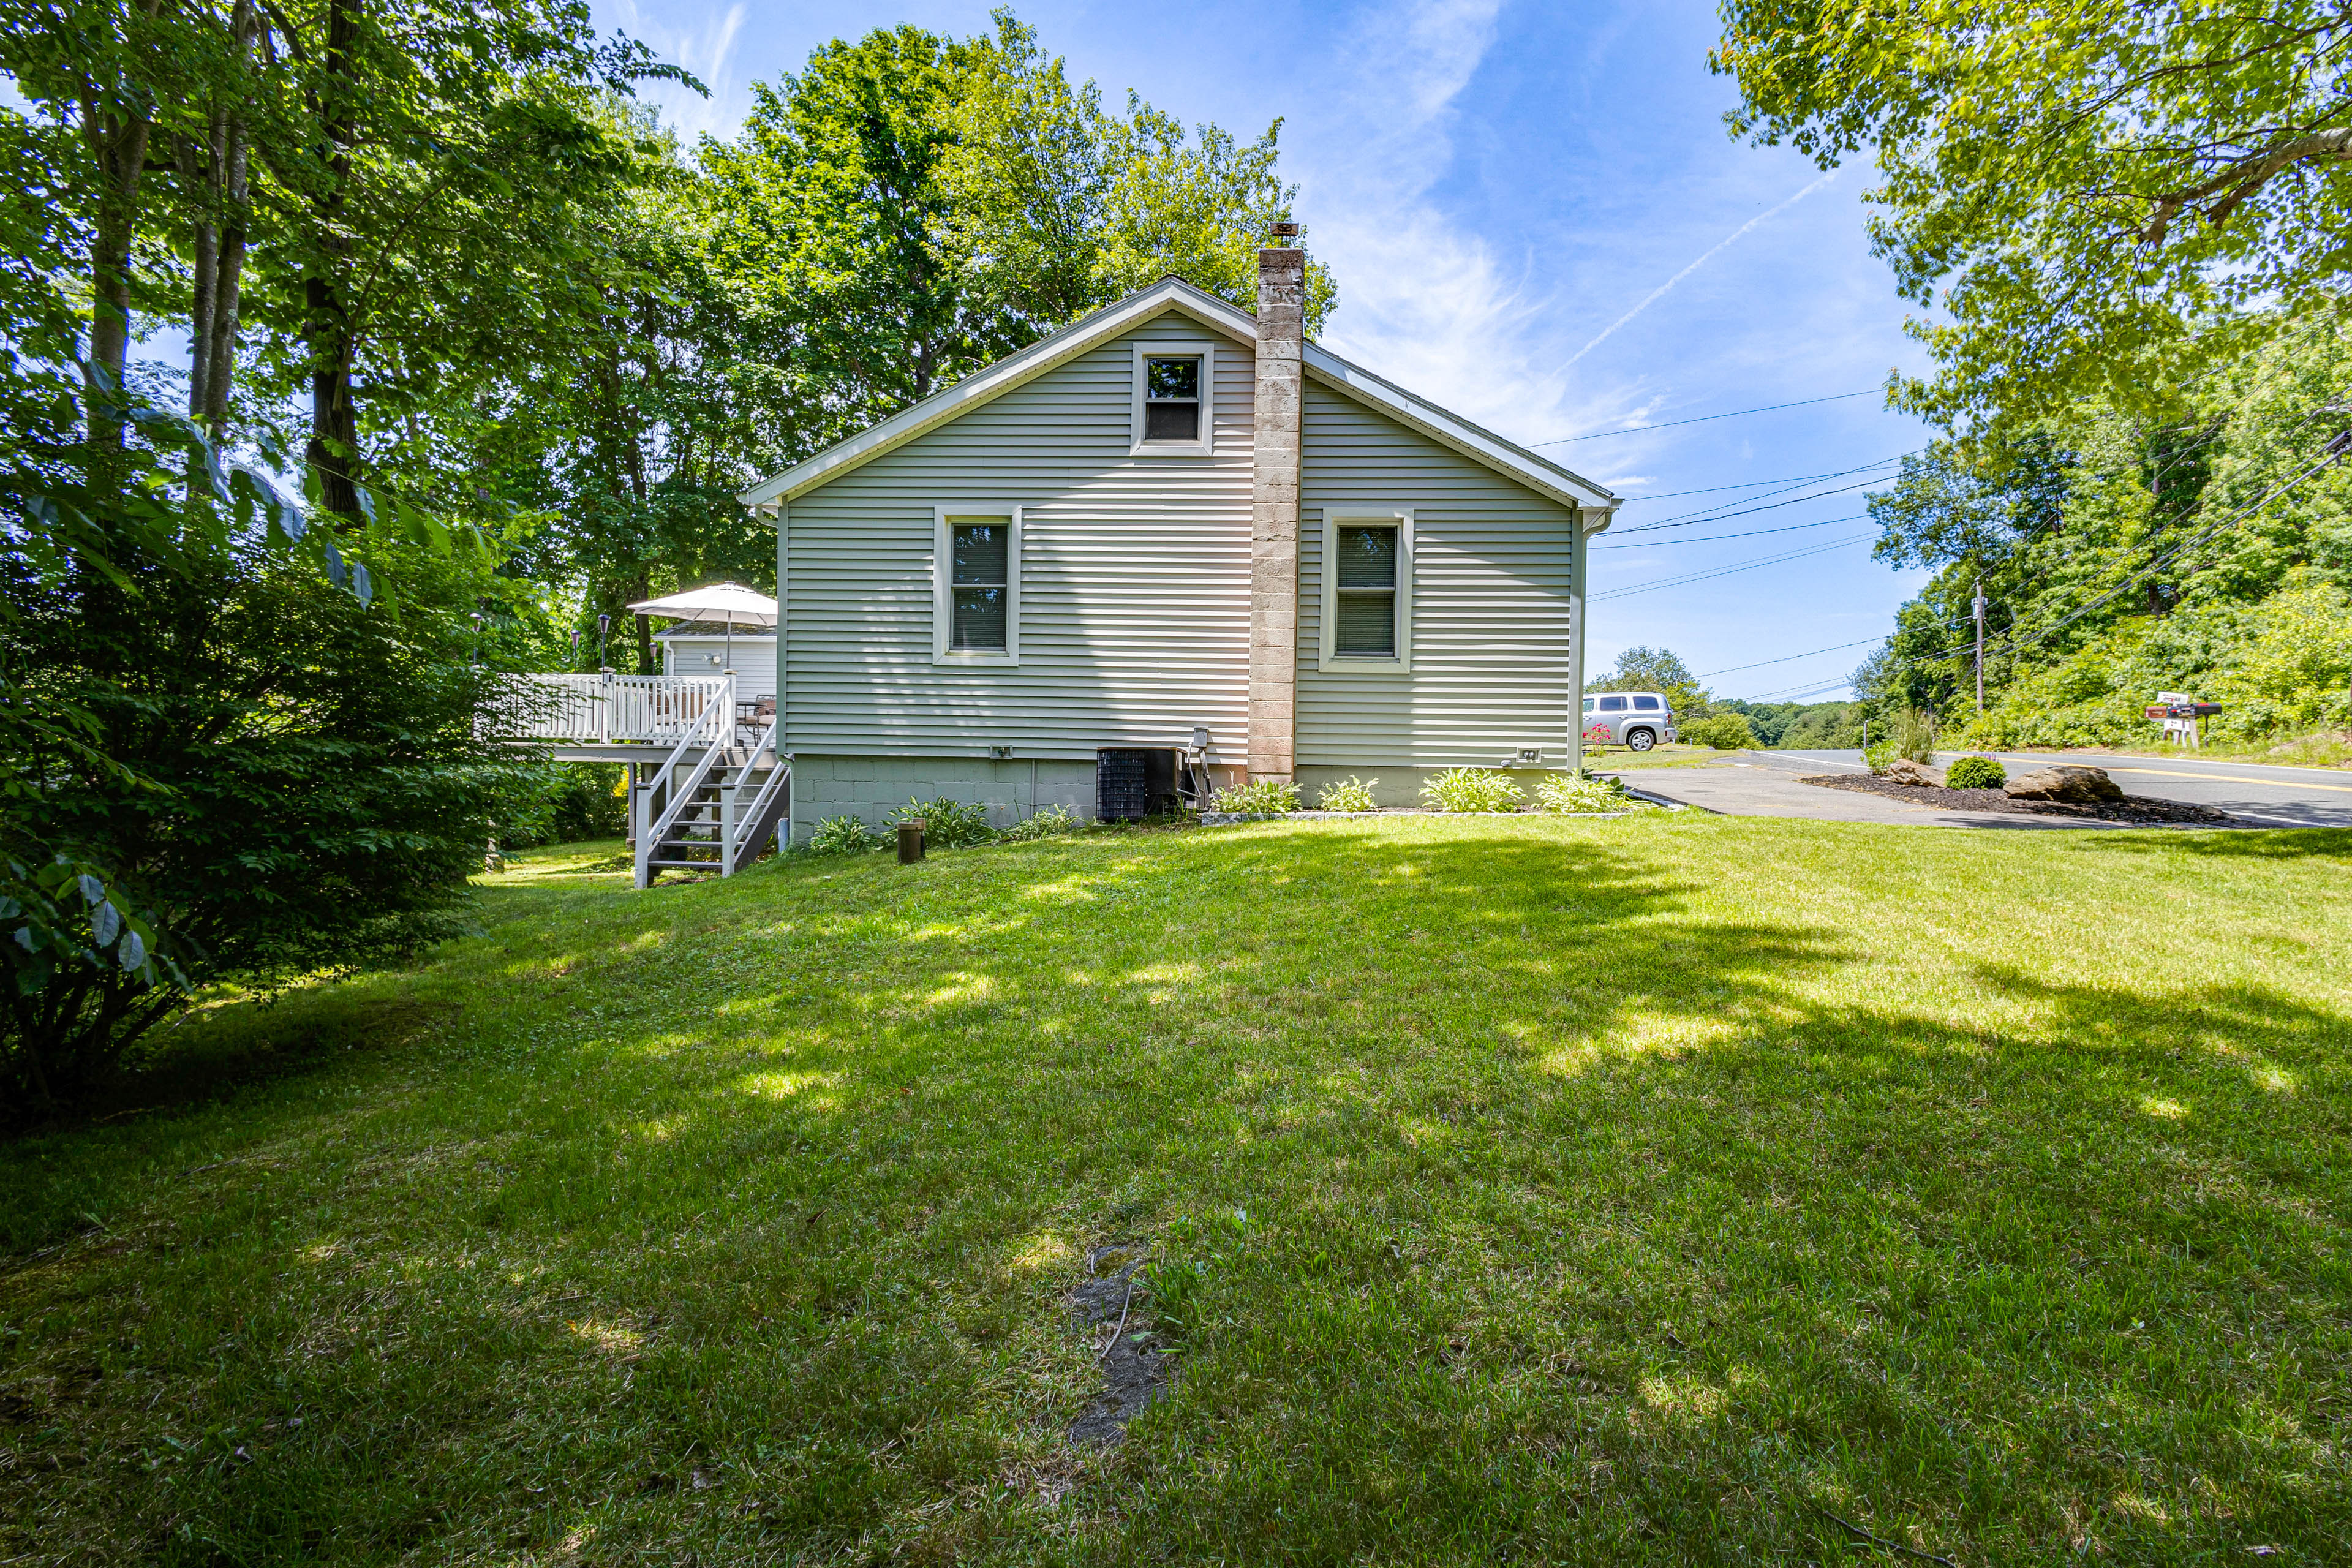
[
  {"x": 1367, "y": 592},
  {"x": 976, "y": 586},
  {"x": 1173, "y": 402}
]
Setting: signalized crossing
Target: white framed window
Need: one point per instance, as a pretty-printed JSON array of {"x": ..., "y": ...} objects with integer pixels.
[
  {"x": 976, "y": 586},
  {"x": 1367, "y": 613},
  {"x": 1173, "y": 398}
]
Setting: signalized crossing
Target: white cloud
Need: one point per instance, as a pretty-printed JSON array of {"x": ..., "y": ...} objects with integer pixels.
[{"x": 706, "y": 47}]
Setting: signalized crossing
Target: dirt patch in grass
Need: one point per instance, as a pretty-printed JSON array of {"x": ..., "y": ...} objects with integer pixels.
[
  {"x": 1112, "y": 1306},
  {"x": 2137, "y": 809}
]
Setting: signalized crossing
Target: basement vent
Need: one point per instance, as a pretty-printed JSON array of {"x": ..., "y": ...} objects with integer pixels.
[{"x": 1133, "y": 782}]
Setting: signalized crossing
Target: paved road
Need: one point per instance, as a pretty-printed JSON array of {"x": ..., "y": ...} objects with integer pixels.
[
  {"x": 1759, "y": 788},
  {"x": 2258, "y": 792}
]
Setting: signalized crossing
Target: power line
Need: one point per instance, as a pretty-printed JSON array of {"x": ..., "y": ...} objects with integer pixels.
[
  {"x": 2014, "y": 642},
  {"x": 1709, "y": 538},
  {"x": 1728, "y": 571},
  {"x": 1785, "y": 658},
  {"x": 1705, "y": 418},
  {"x": 1718, "y": 514},
  {"x": 1759, "y": 484}
]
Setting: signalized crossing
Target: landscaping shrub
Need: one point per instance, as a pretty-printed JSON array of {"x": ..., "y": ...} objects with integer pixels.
[
  {"x": 1585, "y": 793},
  {"x": 1473, "y": 789},
  {"x": 1349, "y": 794},
  {"x": 1877, "y": 758},
  {"x": 1259, "y": 798},
  {"x": 1043, "y": 823},
  {"x": 1974, "y": 772},
  {"x": 1723, "y": 731},
  {"x": 842, "y": 836},
  {"x": 947, "y": 824}
]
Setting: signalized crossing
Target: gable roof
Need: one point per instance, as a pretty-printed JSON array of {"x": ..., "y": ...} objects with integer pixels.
[{"x": 1510, "y": 461}]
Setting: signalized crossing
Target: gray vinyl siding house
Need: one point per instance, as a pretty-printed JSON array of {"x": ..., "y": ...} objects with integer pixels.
[{"x": 1152, "y": 588}]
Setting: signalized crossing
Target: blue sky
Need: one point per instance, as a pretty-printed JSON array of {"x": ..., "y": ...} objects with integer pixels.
[{"x": 1537, "y": 220}]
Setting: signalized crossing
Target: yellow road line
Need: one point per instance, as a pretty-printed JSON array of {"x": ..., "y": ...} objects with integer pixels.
[{"x": 2233, "y": 778}]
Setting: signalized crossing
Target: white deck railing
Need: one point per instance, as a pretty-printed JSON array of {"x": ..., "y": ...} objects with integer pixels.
[{"x": 616, "y": 710}]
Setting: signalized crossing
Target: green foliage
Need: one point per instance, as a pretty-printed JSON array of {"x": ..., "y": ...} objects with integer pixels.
[
  {"x": 268, "y": 777},
  {"x": 565, "y": 802},
  {"x": 843, "y": 835},
  {"x": 2198, "y": 556},
  {"x": 1725, "y": 732},
  {"x": 1045, "y": 822},
  {"x": 1195, "y": 1253},
  {"x": 1644, "y": 668},
  {"x": 1974, "y": 772},
  {"x": 1349, "y": 794},
  {"x": 1803, "y": 726},
  {"x": 2093, "y": 195},
  {"x": 1473, "y": 789},
  {"x": 1258, "y": 797},
  {"x": 1877, "y": 758},
  {"x": 947, "y": 824},
  {"x": 2279, "y": 668},
  {"x": 1585, "y": 793},
  {"x": 912, "y": 206}
]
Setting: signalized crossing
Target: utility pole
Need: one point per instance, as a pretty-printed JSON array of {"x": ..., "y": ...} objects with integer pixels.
[{"x": 1980, "y": 609}]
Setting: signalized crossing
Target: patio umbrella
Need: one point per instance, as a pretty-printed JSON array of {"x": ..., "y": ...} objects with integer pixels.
[{"x": 729, "y": 603}]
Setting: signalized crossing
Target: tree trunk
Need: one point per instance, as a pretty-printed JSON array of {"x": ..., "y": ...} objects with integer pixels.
[
  {"x": 333, "y": 450},
  {"x": 219, "y": 276},
  {"x": 118, "y": 144}
]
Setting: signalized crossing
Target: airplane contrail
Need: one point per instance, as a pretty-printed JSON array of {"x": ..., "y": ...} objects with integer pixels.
[{"x": 1654, "y": 294}]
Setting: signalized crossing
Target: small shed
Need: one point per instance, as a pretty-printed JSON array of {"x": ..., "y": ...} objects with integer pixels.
[{"x": 693, "y": 648}]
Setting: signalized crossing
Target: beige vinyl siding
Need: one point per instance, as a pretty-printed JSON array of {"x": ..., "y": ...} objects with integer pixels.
[
  {"x": 1490, "y": 602},
  {"x": 1134, "y": 577}
]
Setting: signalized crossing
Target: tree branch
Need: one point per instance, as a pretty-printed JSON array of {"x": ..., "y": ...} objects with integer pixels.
[{"x": 2242, "y": 179}]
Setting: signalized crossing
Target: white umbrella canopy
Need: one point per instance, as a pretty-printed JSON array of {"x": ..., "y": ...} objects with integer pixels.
[{"x": 729, "y": 603}]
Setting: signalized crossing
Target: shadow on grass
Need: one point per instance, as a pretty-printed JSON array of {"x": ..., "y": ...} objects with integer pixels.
[
  {"x": 1588, "y": 1220},
  {"x": 2270, "y": 844}
]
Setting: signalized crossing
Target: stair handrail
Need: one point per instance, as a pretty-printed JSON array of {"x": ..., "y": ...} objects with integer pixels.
[
  {"x": 719, "y": 717},
  {"x": 748, "y": 822}
]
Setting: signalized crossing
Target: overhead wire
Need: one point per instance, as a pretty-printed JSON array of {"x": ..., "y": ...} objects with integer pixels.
[
  {"x": 1705, "y": 419},
  {"x": 1728, "y": 571},
  {"x": 1745, "y": 533},
  {"x": 2013, "y": 642}
]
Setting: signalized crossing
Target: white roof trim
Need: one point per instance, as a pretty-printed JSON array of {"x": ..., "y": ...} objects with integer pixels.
[{"x": 1538, "y": 474}]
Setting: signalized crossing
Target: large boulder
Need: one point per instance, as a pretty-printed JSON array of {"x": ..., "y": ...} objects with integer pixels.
[
  {"x": 1904, "y": 771},
  {"x": 2073, "y": 786}
]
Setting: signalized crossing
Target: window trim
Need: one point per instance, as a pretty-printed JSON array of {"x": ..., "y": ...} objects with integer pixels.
[
  {"x": 1200, "y": 348},
  {"x": 1328, "y": 659},
  {"x": 943, "y": 588}
]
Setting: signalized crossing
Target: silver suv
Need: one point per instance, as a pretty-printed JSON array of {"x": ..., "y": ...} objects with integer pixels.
[{"x": 1638, "y": 720}]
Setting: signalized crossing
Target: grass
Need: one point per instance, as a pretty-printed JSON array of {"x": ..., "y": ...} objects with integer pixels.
[
  {"x": 1616, "y": 759},
  {"x": 1656, "y": 1190}
]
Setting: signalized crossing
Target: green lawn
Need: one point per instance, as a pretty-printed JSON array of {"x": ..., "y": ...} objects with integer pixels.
[{"x": 1635, "y": 1191}]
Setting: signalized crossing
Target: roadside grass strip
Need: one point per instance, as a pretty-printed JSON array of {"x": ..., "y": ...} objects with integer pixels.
[{"x": 1667, "y": 1189}]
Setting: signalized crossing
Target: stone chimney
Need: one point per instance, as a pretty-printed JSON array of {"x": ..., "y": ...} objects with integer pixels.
[{"x": 1273, "y": 515}]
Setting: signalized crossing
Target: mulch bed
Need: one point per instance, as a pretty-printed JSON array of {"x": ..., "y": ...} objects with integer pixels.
[{"x": 2137, "y": 808}]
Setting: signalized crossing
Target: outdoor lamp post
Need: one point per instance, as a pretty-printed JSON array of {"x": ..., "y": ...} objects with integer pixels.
[{"x": 603, "y": 625}]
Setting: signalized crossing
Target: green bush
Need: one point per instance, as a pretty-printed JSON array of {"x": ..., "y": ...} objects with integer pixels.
[
  {"x": 1914, "y": 736},
  {"x": 1043, "y": 823},
  {"x": 1259, "y": 798},
  {"x": 1349, "y": 794},
  {"x": 1473, "y": 789},
  {"x": 1583, "y": 793},
  {"x": 947, "y": 824},
  {"x": 1723, "y": 731},
  {"x": 1878, "y": 758},
  {"x": 1974, "y": 772},
  {"x": 842, "y": 836}
]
